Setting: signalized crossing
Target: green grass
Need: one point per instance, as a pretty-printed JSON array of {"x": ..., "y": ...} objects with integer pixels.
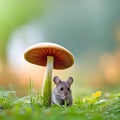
[{"x": 86, "y": 108}]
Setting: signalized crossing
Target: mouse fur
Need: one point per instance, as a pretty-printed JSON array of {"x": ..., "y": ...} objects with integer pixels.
[{"x": 62, "y": 94}]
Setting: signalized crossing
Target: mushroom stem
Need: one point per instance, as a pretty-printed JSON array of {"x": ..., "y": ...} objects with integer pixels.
[{"x": 46, "y": 91}]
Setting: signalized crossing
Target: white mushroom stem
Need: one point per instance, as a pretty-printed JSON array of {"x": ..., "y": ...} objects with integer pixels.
[{"x": 46, "y": 91}]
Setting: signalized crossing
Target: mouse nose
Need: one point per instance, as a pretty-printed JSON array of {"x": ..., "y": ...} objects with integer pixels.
[{"x": 65, "y": 93}]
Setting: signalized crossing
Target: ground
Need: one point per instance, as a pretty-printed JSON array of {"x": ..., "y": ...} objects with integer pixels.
[{"x": 93, "y": 107}]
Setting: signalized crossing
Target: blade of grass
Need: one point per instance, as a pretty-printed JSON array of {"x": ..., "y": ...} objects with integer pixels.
[{"x": 31, "y": 90}]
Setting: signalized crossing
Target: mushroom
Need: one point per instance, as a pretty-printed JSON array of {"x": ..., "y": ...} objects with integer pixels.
[{"x": 52, "y": 56}]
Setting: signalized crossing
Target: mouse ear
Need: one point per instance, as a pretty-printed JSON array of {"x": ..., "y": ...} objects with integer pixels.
[
  {"x": 70, "y": 80},
  {"x": 56, "y": 80}
]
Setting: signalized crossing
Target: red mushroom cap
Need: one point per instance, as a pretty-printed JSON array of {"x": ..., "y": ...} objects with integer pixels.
[{"x": 37, "y": 54}]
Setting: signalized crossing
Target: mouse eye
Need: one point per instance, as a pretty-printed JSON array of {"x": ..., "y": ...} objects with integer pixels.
[
  {"x": 61, "y": 88},
  {"x": 68, "y": 89}
]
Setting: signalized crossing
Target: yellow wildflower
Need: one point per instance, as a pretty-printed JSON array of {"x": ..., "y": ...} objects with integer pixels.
[{"x": 96, "y": 94}]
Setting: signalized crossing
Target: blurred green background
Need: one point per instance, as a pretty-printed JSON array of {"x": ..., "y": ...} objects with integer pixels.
[{"x": 90, "y": 29}]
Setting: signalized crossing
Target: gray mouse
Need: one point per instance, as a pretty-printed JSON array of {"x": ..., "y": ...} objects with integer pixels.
[{"x": 62, "y": 94}]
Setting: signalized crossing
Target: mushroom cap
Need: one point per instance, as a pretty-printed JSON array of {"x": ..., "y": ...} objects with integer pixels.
[{"x": 37, "y": 54}]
